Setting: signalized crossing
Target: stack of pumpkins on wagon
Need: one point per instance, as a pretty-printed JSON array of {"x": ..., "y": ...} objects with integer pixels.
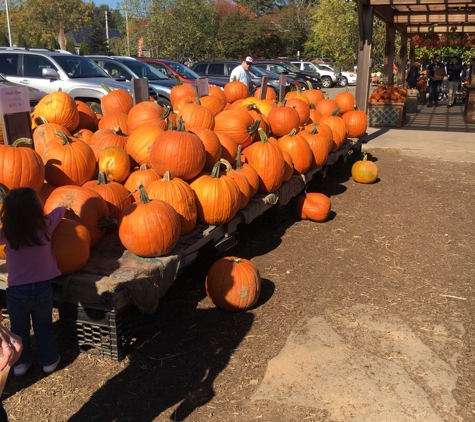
[{"x": 152, "y": 173}]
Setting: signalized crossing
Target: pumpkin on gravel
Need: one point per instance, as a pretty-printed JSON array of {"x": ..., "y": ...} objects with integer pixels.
[
  {"x": 364, "y": 171},
  {"x": 233, "y": 284},
  {"x": 149, "y": 228},
  {"x": 313, "y": 206}
]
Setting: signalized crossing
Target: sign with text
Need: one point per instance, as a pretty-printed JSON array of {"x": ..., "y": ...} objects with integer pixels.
[
  {"x": 14, "y": 99},
  {"x": 202, "y": 86}
]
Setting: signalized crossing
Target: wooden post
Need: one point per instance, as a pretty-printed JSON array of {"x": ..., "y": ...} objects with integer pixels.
[
  {"x": 365, "y": 24},
  {"x": 263, "y": 92},
  {"x": 140, "y": 90},
  {"x": 388, "y": 68},
  {"x": 401, "y": 68}
]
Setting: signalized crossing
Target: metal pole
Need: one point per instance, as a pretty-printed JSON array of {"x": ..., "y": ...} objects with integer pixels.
[
  {"x": 107, "y": 29},
  {"x": 8, "y": 23},
  {"x": 127, "y": 28}
]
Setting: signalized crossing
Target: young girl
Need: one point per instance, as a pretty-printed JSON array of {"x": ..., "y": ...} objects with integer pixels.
[
  {"x": 31, "y": 265},
  {"x": 444, "y": 89}
]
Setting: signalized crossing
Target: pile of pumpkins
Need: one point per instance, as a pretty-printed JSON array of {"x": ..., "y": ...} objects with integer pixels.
[
  {"x": 388, "y": 94},
  {"x": 153, "y": 173}
]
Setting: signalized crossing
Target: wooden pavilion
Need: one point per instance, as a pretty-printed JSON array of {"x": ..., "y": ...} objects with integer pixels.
[{"x": 408, "y": 17}]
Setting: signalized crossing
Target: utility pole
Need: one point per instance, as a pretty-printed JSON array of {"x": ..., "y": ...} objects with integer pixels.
[
  {"x": 107, "y": 30},
  {"x": 8, "y": 23},
  {"x": 127, "y": 28}
]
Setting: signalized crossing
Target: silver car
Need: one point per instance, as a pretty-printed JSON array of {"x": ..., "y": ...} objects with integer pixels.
[
  {"x": 51, "y": 71},
  {"x": 328, "y": 77}
]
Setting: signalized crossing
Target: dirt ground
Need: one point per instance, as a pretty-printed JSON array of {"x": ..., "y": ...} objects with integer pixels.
[{"x": 395, "y": 261}]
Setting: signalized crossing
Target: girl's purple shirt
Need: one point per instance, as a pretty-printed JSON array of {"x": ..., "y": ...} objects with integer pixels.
[{"x": 31, "y": 264}]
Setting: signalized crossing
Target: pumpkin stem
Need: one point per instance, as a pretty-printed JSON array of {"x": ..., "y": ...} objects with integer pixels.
[
  {"x": 263, "y": 135},
  {"x": 227, "y": 164},
  {"x": 216, "y": 169},
  {"x": 284, "y": 101},
  {"x": 40, "y": 121},
  {"x": 293, "y": 132},
  {"x": 167, "y": 177},
  {"x": 365, "y": 157},
  {"x": 238, "y": 159},
  {"x": 166, "y": 113},
  {"x": 309, "y": 84},
  {"x": 313, "y": 131},
  {"x": 253, "y": 128},
  {"x": 143, "y": 195},
  {"x": 118, "y": 131},
  {"x": 143, "y": 167},
  {"x": 336, "y": 111},
  {"x": 66, "y": 140},
  {"x": 312, "y": 106},
  {"x": 180, "y": 126},
  {"x": 197, "y": 101},
  {"x": 22, "y": 141},
  {"x": 102, "y": 179},
  {"x": 170, "y": 125},
  {"x": 106, "y": 88},
  {"x": 235, "y": 260}
]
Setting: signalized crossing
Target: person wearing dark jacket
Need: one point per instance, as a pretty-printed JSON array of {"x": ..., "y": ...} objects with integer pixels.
[
  {"x": 454, "y": 71},
  {"x": 435, "y": 73},
  {"x": 413, "y": 75}
]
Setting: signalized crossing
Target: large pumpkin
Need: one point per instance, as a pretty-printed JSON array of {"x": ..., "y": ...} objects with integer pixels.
[
  {"x": 87, "y": 117},
  {"x": 313, "y": 206},
  {"x": 141, "y": 176},
  {"x": 194, "y": 114},
  {"x": 357, "y": 122},
  {"x": 233, "y": 284},
  {"x": 145, "y": 113},
  {"x": 364, "y": 171},
  {"x": 283, "y": 119},
  {"x": 299, "y": 150},
  {"x": 68, "y": 161},
  {"x": 60, "y": 108},
  {"x": 44, "y": 133},
  {"x": 249, "y": 173},
  {"x": 242, "y": 183},
  {"x": 21, "y": 166},
  {"x": 90, "y": 209},
  {"x": 140, "y": 141},
  {"x": 217, "y": 197},
  {"x": 211, "y": 143},
  {"x": 115, "y": 101},
  {"x": 238, "y": 124},
  {"x": 115, "y": 121},
  {"x": 268, "y": 161},
  {"x": 149, "y": 228},
  {"x": 115, "y": 163},
  {"x": 318, "y": 144},
  {"x": 235, "y": 90},
  {"x": 179, "y": 195},
  {"x": 179, "y": 152},
  {"x": 104, "y": 138},
  {"x": 70, "y": 242},
  {"x": 346, "y": 101}
]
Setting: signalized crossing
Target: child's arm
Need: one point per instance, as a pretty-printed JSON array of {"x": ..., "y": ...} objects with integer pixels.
[{"x": 11, "y": 347}]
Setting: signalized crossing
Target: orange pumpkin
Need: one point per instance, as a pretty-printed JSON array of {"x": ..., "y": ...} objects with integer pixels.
[
  {"x": 233, "y": 284},
  {"x": 318, "y": 145},
  {"x": 104, "y": 138},
  {"x": 283, "y": 119},
  {"x": 356, "y": 122},
  {"x": 242, "y": 183},
  {"x": 70, "y": 242},
  {"x": 211, "y": 143},
  {"x": 140, "y": 141},
  {"x": 149, "y": 228},
  {"x": 115, "y": 101},
  {"x": 142, "y": 176},
  {"x": 346, "y": 101},
  {"x": 180, "y": 196},
  {"x": 146, "y": 113},
  {"x": 299, "y": 150},
  {"x": 115, "y": 163},
  {"x": 179, "y": 152},
  {"x": 115, "y": 120},
  {"x": 87, "y": 117},
  {"x": 238, "y": 124},
  {"x": 235, "y": 90},
  {"x": 60, "y": 108},
  {"x": 194, "y": 114},
  {"x": 313, "y": 206},
  {"x": 249, "y": 173},
  {"x": 229, "y": 147},
  {"x": 44, "y": 133},
  {"x": 364, "y": 171}
]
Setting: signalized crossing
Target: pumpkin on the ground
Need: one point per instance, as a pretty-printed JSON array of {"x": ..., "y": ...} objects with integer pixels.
[
  {"x": 313, "y": 206},
  {"x": 364, "y": 171},
  {"x": 233, "y": 284}
]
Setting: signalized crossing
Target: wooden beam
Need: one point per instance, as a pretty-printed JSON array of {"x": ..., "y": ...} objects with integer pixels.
[
  {"x": 365, "y": 25},
  {"x": 428, "y": 18},
  {"x": 413, "y": 2},
  {"x": 439, "y": 29}
]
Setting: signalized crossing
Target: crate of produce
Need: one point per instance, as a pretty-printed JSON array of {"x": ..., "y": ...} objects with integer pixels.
[
  {"x": 106, "y": 334},
  {"x": 386, "y": 114}
]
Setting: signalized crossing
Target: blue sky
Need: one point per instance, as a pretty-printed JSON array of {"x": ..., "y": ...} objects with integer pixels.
[{"x": 113, "y": 4}]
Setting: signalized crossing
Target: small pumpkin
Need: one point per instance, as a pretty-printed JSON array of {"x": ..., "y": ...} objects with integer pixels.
[
  {"x": 364, "y": 171},
  {"x": 233, "y": 284}
]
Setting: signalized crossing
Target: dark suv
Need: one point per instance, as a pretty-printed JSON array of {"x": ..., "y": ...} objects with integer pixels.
[
  {"x": 221, "y": 69},
  {"x": 282, "y": 68}
]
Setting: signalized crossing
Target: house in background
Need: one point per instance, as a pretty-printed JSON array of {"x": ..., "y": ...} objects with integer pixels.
[{"x": 81, "y": 34}]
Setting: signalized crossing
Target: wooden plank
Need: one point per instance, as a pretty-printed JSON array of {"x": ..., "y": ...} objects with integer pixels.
[
  {"x": 430, "y": 18},
  {"x": 414, "y": 29},
  {"x": 455, "y": 3}
]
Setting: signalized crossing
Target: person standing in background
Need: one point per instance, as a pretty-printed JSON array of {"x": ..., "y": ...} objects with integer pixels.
[
  {"x": 413, "y": 74},
  {"x": 435, "y": 73},
  {"x": 241, "y": 73},
  {"x": 454, "y": 71}
]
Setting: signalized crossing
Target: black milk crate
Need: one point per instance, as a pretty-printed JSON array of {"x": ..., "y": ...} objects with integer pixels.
[{"x": 106, "y": 334}]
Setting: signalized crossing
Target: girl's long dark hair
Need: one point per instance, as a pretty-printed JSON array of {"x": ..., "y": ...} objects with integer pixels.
[{"x": 23, "y": 218}]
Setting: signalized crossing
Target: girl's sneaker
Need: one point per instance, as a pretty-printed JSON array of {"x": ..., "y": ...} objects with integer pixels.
[
  {"x": 47, "y": 369},
  {"x": 21, "y": 369}
]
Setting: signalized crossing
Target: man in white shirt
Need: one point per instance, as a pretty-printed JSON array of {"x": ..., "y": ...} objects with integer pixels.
[{"x": 241, "y": 73}]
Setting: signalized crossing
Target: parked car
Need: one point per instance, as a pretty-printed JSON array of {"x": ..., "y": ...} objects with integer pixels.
[
  {"x": 221, "y": 69},
  {"x": 51, "y": 71},
  {"x": 282, "y": 68},
  {"x": 178, "y": 70},
  {"x": 128, "y": 68},
  {"x": 322, "y": 60},
  {"x": 346, "y": 78},
  {"x": 35, "y": 95},
  {"x": 329, "y": 78}
]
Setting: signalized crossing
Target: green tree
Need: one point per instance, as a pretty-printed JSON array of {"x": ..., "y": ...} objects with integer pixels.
[
  {"x": 70, "y": 45},
  {"x": 259, "y": 7},
  {"x": 334, "y": 33},
  {"x": 83, "y": 50},
  {"x": 179, "y": 28},
  {"x": 97, "y": 42}
]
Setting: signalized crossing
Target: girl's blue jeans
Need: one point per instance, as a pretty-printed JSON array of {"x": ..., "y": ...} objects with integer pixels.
[{"x": 35, "y": 300}]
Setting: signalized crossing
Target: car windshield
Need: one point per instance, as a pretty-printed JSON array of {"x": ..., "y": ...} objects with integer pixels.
[
  {"x": 80, "y": 67},
  {"x": 291, "y": 67},
  {"x": 144, "y": 70},
  {"x": 261, "y": 72},
  {"x": 182, "y": 70}
]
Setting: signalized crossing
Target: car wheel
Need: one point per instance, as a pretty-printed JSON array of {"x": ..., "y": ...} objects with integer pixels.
[
  {"x": 343, "y": 81},
  {"x": 327, "y": 82},
  {"x": 164, "y": 102}
]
